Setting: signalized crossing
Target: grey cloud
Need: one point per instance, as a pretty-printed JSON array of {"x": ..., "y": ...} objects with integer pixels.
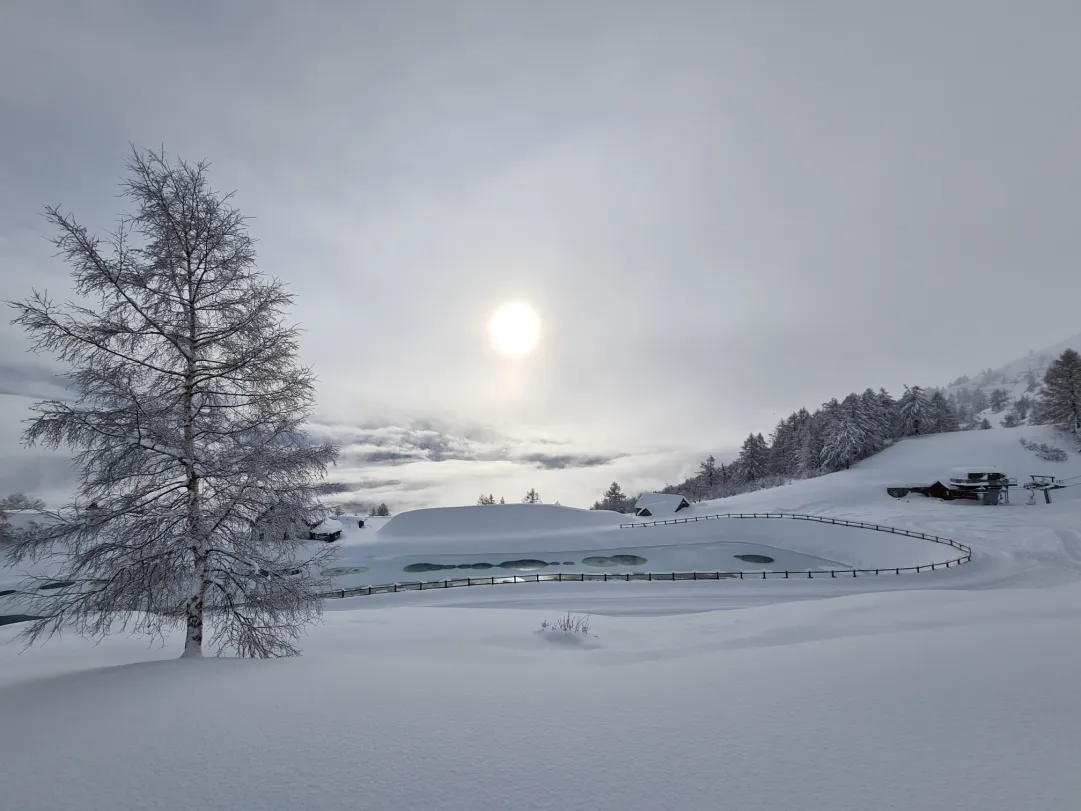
[
  {"x": 568, "y": 460},
  {"x": 722, "y": 211},
  {"x": 35, "y": 381}
]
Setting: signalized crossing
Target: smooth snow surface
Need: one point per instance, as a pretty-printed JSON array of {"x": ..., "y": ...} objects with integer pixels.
[
  {"x": 945, "y": 691},
  {"x": 930, "y": 701},
  {"x": 498, "y": 519}
]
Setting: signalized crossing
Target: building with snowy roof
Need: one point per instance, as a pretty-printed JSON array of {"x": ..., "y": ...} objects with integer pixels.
[{"x": 659, "y": 504}]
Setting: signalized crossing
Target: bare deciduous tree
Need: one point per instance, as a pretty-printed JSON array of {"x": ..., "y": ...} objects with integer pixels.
[{"x": 197, "y": 481}]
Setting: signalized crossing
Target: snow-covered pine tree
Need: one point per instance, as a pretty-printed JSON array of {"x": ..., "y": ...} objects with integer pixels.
[
  {"x": 532, "y": 497},
  {"x": 186, "y": 413},
  {"x": 915, "y": 412},
  {"x": 782, "y": 448},
  {"x": 811, "y": 439},
  {"x": 707, "y": 472},
  {"x": 1059, "y": 402},
  {"x": 890, "y": 412},
  {"x": 1000, "y": 398},
  {"x": 876, "y": 422},
  {"x": 753, "y": 461},
  {"x": 614, "y": 498},
  {"x": 846, "y": 439},
  {"x": 942, "y": 415},
  {"x": 485, "y": 501}
]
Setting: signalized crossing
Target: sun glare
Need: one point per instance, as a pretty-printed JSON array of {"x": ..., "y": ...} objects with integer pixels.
[{"x": 514, "y": 329}]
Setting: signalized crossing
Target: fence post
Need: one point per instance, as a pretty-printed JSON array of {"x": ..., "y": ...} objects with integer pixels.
[
  {"x": 395, "y": 588},
  {"x": 833, "y": 573},
  {"x": 786, "y": 574},
  {"x": 741, "y": 574},
  {"x": 343, "y": 594},
  {"x": 763, "y": 574}
]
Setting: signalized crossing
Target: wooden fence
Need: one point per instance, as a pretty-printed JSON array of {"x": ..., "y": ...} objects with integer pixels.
[{"x": 590, "y": 577}]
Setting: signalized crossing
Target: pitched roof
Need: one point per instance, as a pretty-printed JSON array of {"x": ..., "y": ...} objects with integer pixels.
[{"x": 660, "y": 503}]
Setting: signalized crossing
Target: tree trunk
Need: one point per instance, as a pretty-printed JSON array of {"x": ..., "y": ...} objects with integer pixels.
[{"x": 193, "y": 608}]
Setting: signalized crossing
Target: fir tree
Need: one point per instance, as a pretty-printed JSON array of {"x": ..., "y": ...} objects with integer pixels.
[
  {"x": 916, "y": 412},
  {"x": 615, "y": 499},
  {"x": 707, "y": 472},
  {"x": 846, "y": 438},
  {"x": 753, "y": 458},
  {"x": 1000, "y": 398},
  {"x": 890, "y": 412},
  {"x": 532, "y": 497},
  {"x": 943, "y": 416},
  {"x": 1059, "y": 402},
  {"x": 877, "y": 422}
]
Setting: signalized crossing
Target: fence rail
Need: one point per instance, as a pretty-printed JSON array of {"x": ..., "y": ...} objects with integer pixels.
[{"x": 588, "y": 577}]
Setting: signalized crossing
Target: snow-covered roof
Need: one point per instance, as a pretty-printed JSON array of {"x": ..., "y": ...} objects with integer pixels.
[
  {"x": 964, "y": 471},
  {"x": 660, "y": 503},
  {"x": 329, "y": 525}
]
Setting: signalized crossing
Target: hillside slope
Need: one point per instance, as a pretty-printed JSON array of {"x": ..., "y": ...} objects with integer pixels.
[{"x": 1022, "y": 377}]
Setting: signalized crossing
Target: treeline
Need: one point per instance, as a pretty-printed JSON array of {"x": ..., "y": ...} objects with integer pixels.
[
  {"x": 807, "y": 444},
  {"x": 842, "y": 432},
  {"x": 532, "y": 497}
]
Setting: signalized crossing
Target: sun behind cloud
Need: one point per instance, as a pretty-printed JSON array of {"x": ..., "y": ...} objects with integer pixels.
[{"x": 514, "y": 329}]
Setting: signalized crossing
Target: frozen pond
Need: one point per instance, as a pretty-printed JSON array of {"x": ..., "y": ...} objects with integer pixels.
[{"x": 353, "y": 568}]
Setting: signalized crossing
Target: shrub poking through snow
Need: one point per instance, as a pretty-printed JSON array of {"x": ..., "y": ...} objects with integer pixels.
[
  {"x": 568, "y": 624},
  {"x": 1046, "y": 452}
]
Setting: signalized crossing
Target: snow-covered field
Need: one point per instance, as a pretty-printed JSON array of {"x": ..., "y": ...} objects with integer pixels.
[{"x": 950, "y": 689}]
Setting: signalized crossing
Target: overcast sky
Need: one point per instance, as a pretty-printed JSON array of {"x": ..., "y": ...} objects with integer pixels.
[{"x": 722, "y": 211}]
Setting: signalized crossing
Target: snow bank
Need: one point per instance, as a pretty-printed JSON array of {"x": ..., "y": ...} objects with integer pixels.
[
  {"x": 936, "y": 701},
  {"x": 501, "y": 519}
]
